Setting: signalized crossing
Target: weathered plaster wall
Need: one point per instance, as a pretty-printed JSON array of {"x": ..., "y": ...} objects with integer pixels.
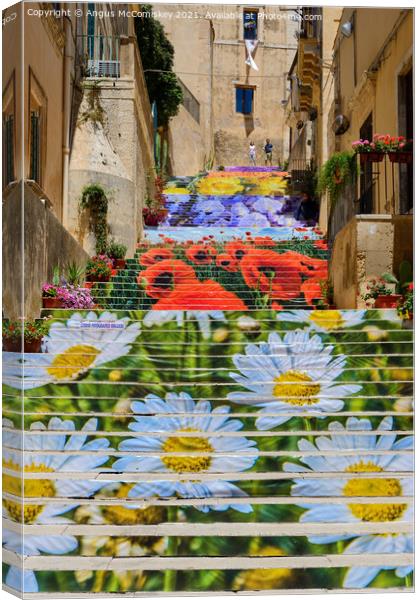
[
  {"x": 368, "y": 246},
  {"x": 191, "y": 142},
  {"x": 116, "y": 152},
  {"x": 46, "y": 245},
  {"x": 211, "y": 71}
]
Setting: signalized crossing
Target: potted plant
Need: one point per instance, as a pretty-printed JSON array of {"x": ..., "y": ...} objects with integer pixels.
[
  {"x": 401, "y": 150},
  {"x": 336, "y": 173},
  {"x": 99, "y": 268},
  {"x": 50, "y": 297},
  {"x": 74, "y": 274},
  {"x": 117, "y": 252},
  {"x": 372, "y": 151},
  {"x": 76, "y": 297},
  {"x": 382, "y": 295},
  {"x": 32, "y": 332},
  {"x": 406, "y": 304},
  {"x": 155, "y": 212}
]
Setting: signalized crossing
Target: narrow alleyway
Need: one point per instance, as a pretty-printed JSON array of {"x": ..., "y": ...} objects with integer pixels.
[{"x": 224, "y": 417}]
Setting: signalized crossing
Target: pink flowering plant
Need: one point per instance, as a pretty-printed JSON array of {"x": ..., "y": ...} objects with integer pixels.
[
  {"x": 75, "y": 297},
  {"x": 382, "y": 144},
  {"x": 49, "y": 290}
]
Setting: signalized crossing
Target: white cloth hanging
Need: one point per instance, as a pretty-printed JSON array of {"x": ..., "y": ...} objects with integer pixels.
[{"x": 251, "y": 46}]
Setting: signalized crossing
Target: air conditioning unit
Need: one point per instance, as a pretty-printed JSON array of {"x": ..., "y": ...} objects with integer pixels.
[{"x": 104, "y": 68}]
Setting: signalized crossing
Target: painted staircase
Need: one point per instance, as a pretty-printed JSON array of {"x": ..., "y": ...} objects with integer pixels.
[{"x": 210, "y": 429}]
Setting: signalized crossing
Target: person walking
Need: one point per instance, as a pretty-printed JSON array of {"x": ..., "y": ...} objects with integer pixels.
[
  {"x": 252, "y": 154},
  {"x": 268, "y": 149}
]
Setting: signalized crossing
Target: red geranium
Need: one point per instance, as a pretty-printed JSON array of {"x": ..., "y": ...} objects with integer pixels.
[
  {"x": 272, "y": 273},
  {"x": 201, "y": 254},
  {"x": 164, "y": 276},
  {"x": 155, "y": 255},
  {"x": 207, "y": 295},
  {"x": 237, "y": 249},
  {"x": 227, "y": 262}
]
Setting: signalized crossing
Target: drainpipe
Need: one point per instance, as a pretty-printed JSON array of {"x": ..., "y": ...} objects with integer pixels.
[{"x": 68, "y": 58}]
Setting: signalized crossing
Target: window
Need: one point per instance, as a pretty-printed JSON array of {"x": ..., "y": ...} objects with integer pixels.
[
  {"x": 35, "y": 158},
  {"x": 9, "y": 132},
  {"x": 8, "y": 150},
  {"x": 244, "y": 100},
  {"x": 37, "y": 124},
  {"x": 250, "y": 24}
]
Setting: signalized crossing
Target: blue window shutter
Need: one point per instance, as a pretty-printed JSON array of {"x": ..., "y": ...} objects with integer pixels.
[
  {"x": 248, "y": 100},
  {"x": 239, "y": 100}
]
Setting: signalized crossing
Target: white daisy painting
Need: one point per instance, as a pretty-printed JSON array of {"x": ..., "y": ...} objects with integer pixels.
[
  {"x": 39, "y": 459},
  {"x": 381, "y": 455},
  {"x": 295, "y": 373},
  {"x": 190, "y": 444},
  {"x": 203, "y": 318},
  {"x": 323, "y": 320},
  {"x": 71, "y": 349}
]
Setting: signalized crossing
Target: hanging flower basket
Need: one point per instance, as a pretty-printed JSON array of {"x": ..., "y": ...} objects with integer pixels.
[
  {"x": 373, "y": 157},
  {"x": 401, "y": 157},
  {"x": 387, "y": 300}
]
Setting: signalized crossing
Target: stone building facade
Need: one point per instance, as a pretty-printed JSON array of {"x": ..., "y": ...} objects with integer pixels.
[{"x": 237, "y": 103}]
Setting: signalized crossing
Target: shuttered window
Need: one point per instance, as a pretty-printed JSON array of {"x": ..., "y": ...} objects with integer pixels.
[
  {"x": 244, "y": 100},
  {"x": 35, "y": 157},
  {"x": 8, "y": 150}
]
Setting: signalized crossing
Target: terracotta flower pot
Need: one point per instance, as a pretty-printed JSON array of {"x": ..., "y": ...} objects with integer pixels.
[
  {"x": 119, "y": 263},
  {"x": 49, "y": 302},
  {"x": 14, "y": 345},
  {"x": 371, "y": 157},
  {"x": 400, "y": 157},
  {"x": 387, "y": 301}
]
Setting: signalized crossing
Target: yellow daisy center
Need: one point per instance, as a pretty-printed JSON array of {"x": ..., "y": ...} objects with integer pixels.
[
  {"x": 187, "y": 445},
  {"x": 20, "y": 511},
  {"x": 121, "y": 515},
  {"x": 370, "y": 487},
  {"x": 73, "y": 361},
  {"x": 264, "y": 579},
  {"x": 327, "y": 319},
  {"x": 296, "y": 388}
]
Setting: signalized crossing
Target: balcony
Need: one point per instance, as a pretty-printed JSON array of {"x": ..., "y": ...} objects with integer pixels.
[{"x": 99, "y": 55}]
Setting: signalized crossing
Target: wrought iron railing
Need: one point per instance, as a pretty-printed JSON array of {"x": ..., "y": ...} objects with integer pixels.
[{"x": 100, "y": 55}]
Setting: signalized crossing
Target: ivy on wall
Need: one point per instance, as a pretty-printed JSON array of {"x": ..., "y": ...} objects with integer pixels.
[{"x": 95, "y": 200}]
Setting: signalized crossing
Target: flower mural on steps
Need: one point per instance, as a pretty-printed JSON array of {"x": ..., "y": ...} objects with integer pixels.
[
  {"x": 294, "y": 373},
  {"x": 323, "y": 320},
  {"x": 358, "y": 462},
  {"x": 192, "y": 427},
  {"x": 33, "y": 461},
  {"x": 71, "y": 349},
  {"x": 202, "y": 317}
]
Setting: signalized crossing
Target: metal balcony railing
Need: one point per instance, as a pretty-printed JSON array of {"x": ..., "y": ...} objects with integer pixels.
[{"x": 100, "y": 55}]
